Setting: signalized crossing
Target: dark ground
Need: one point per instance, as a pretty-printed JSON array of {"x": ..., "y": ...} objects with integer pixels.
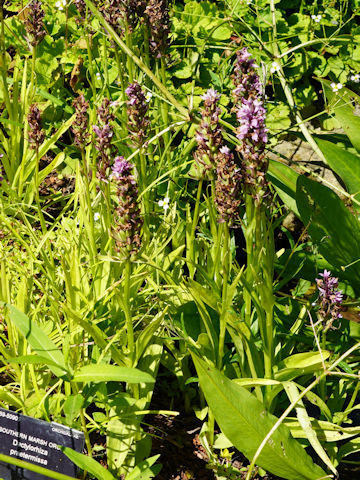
[{"x": 183, "y": 457}]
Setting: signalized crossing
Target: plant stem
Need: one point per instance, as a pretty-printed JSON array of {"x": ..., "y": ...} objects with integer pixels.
[
  {"x": 322, "y": 384},
  {"x": 165, "y": 113},
  {"x": 249, "y": 239},
  {"x": 89, "y": 214},
  {"x": 224, "y": 306},
  {"x": 143, "y": 183},
  {"x": 3, "y": 66},
  {"x": 127, "y": 309},
  {"x": 91, "y": 69},
  {"x": 191, "y": 265},
  {"x": 130, "y": 65}
]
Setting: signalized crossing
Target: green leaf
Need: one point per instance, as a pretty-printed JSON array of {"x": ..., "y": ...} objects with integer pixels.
[
  {"x": 344, "y": 163},
  {"x": 145, "y": 470},
  {"x": 278, "y": 117},
  {"x": 340, "y": 104},
  {"x": 45, "y": 147},
  {"x": 183, "y": 70},
  {"x": 32, "y": 359},
  {"x": 39, "y": 341},
  {"x": 147, "y": 334},
  {"x": 332, "y": 227},
  {"x": 221, "y": 33},
  {"x": 245, "y": 422},
  {"x": 72, "y": 407},
  {"x": 326, "y": 431},
  {"x": 284, "y": 180},
  {"x": 304, "y": 360},
  {"x": 304, "y": 420},
  {"x": 350, "y": 447},
  {"x": 88, "y": 464},
  {"x": 10, "y": 398},
  {"x": 111, "y": 373},
  {"x": 252, "y": 382}
]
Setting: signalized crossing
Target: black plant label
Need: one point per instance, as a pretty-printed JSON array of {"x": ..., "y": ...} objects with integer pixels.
[{"x": 37, "y": 442}]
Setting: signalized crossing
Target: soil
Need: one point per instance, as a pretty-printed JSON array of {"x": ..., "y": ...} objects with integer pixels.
[
  {"x": 176, "y": 439},
  {"x": 184, "y": 458}
]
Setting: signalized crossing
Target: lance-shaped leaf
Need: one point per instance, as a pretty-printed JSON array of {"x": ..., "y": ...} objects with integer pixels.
[
  {"x": 111, "y": 373},
  {"x": 245, "y": 422},
  {"x": 39, "y": 341},
  {"x": 88, "y": 464},
  {"x": 332, "y": 227}
]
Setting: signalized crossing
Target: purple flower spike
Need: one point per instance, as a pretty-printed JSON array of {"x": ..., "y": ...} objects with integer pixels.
[
  {"x": 215, "y": 158},
  {"x": 36, "y": 134},
  {"x": 209, "y": 136},
  {"x": 127, "y": 230},
  {"x": 104, "y": 133},
  {"x": 121, "y": 166},
  {"x": 157, "y": 16},
  {"x": 34, "y": 22},
  {"x": 252, "y": 131},
  {"x": 330, "y": 298},
  {"x": 211, "y": 97},
  {"x": 227, "y": 186},
  {"x": 80, "y": 125},
  {"x": 137, "y": 113}
]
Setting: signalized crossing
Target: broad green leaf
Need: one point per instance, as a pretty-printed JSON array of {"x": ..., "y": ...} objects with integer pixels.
[
  {"x": 334, "y": 230},
  {"x": 222, "y": 442},
  {"x": 147, "y": 334},
  {"x": 304, "y": 360},
  {"x": 251, "y": 382},
  {"x": 350, "y": 447},
  {"x": 39, "y": 341},
  {"x": 341, "y": 104},
  {"x": 344, "y": 163},
  {"x": 32, "y": 359},
  {"x": 284, "y": 180},
  {"x": 326, "y": 431},
  {"x": 46, "y": 146},
  {"x": 207, "y": 295},
  {"x": 223, "y": 32},
  {"x": 305, "y": 422},
  {"x": 111, "y": 373},
  {"x": 145, "y": 470},
  {"x": 97, "y": 334},
  {"x": 10, "y": 398},
  {"x": 72, "y": 407},
  {"x": 52, "y": 166},
  {"x": 245, "y": 422},
  {"x": 88, "y": 464},
  {"x": 278, "y": 117}
]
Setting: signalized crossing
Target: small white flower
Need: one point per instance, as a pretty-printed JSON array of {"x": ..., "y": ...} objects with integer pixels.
[
  {"x": 98, "y": 75},
  {"x": 334, "y": 22},
  {"x": 355, "y": 78},
  {"x": 148, "y": 97},
  {"x": 60, "y": 4},
  {"x": 164, "y": 203},
  {"x": 316, "y": 18},
  {"x": 96, "y": 216},
  {"x": 335, "y": 87},
  {"x": 275, "y": 67}
]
